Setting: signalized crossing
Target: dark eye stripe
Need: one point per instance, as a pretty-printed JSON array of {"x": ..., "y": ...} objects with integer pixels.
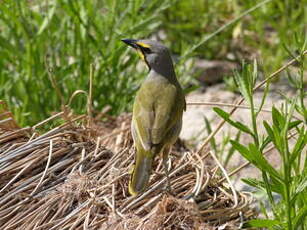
[{"x": 146, "y": 50}]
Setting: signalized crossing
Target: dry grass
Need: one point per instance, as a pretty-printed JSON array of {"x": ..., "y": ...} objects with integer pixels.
[{"x": 75, "y": 177}]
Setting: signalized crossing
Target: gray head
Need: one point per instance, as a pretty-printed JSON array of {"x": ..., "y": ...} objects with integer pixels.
[{"x": 156, "y": 56}]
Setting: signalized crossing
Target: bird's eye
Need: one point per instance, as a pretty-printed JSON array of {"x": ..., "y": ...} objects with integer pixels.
[{"x": 146, "y": 50}]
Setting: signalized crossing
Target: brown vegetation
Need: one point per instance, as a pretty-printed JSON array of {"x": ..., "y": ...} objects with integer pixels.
[{"x": 75, "y": 177}]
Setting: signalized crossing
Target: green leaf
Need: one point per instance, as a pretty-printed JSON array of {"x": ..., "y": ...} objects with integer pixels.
[
  {"x": 300, "y": 218},
  {"x": 261, "y": 162},
  {"x": 268, "y": 189},
  {"x": 244, "y": 83},
  {"x": 274, "y": 135},
  {"x": 299, "y": 145},
  {"x": 190, "y": 89},
  {"x": 253, "y": 155},
  {"x": 231, "y": 150},
  {"x": 209, "y": 131},
  {"x": 254, "y": 183},
  {"x": 301, "y": 186},
  {"x": 47, "y": 19},
  {"x": 293, "y": 124},
  {"x": 255, "y": 72},
  {"x": 277, "y": 186},
  {"x": 236, "y": 124},
  {"x": 278, "y": 119},
  {"x": 261, "y": 223},
  {"x": 265, "y": 143},
  {"x": 274, "y": 185},
  {"x": 243, "y": 151},
  {"x": 263, "y": 98},
  {"x": 269, "y": 130}
]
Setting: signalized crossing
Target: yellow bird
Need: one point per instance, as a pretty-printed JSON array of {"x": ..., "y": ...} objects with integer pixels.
[{"x": 157, "y": 112}]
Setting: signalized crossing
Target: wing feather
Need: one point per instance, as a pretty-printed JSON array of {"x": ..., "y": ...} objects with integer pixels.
[{"x": 158, "y": 107}]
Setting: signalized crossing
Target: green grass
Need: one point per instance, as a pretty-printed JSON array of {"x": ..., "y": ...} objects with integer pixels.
[
  {"x": 262, "y": 34},
  {"x": 47, "y": 47},
  {"x": 56, "y": 41}
]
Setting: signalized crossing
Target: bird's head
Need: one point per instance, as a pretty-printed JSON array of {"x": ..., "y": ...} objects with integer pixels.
[{"x": 155, "y": 55}]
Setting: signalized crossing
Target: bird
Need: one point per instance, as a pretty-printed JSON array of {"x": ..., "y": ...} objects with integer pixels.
[{"x": 157, "y": 112}]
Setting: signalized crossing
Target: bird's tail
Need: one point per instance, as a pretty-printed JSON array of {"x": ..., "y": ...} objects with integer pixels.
[{"x": 141, "y": 172}]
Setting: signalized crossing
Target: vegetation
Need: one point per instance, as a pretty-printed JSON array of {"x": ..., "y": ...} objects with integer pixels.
[
  {"x": 48, "y": 49},
  {"x": 47, "y": 46},
  {"x": 289, "y": 180}
]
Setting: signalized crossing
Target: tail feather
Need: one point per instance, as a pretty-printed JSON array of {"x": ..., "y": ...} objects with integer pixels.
[{"x": 141, "y": 172}]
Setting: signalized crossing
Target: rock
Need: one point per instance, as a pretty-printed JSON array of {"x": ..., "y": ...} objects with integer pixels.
[{"x": 211, "y": 72}]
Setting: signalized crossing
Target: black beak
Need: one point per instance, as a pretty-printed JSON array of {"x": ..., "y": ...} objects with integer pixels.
[{"x": 131, "y": 42}]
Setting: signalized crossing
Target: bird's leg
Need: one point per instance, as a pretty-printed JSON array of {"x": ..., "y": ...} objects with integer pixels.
[{"x": 165, "y": 158}]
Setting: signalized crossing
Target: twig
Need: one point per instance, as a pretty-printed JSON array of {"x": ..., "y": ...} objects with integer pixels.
[
  {"x": 46, "y": 168},
  {"x": 47, "y": 120},
  {"x": 82, "y": 160},
  {"x": 52, "y": 79},
  {"x": 17, "y": 175},
  {"x": 79, "y": 91},
  {"x": 227, "y": 178},
  {"x": 226, "y": 105},
  {"x": 89, "y": 98}
]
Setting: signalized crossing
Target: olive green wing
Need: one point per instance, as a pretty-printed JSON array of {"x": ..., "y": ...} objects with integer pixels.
[
  {"x": 157, "y": 108},
  {"x": 167, "y": 113},
  {"x": 142, "y": 119}
]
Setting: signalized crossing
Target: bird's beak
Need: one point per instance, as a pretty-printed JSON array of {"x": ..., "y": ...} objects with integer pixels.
[
  {"x": 131, "y": 42},
  {"x": 138, "y": 46}
]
